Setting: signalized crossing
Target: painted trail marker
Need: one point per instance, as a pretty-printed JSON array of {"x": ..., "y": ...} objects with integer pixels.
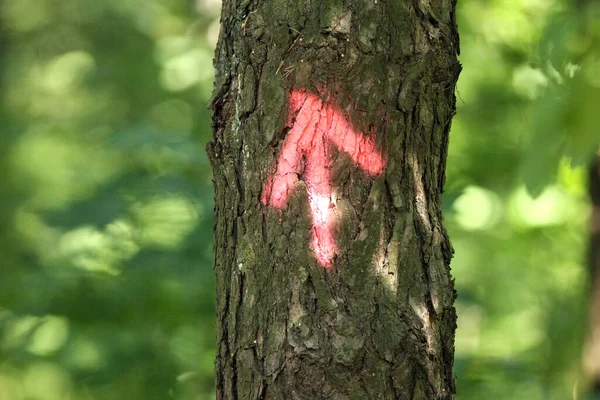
[{"x": 305, "y": 155}]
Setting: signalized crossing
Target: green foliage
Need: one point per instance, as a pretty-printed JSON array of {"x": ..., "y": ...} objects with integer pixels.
[
  {"x": 106, "y": 287},
  {"x": 516, "y": 207}
]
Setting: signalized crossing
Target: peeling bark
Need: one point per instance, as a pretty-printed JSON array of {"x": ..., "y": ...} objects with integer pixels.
[{"x": 377, "y": 321}]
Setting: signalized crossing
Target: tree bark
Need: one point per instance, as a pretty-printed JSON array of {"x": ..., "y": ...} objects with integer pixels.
[
  {"x": 591, "y": 353},
  {"x": 330, "y": 122}
]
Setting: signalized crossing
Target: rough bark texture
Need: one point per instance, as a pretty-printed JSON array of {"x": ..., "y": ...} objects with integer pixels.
[
  {"x": 591, "y": 356},
  {"x": 379, "y": 322}
]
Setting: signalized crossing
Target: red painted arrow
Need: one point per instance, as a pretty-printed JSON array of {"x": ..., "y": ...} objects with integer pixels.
[{"x": 305, "y": 155}]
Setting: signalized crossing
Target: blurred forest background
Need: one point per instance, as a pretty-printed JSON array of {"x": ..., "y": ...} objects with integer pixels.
[{"x": 106, "y": 283}]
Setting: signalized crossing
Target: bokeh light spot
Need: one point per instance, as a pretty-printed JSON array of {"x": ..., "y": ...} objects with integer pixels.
[
  {"x": 166, "y": 221},
  {"x": 50, "y": 336},
  {"x": 47, "y": 381},
  {"x": 477, "y": 209}
]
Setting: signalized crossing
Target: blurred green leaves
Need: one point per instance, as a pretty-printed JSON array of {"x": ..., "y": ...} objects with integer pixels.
[
  {"x": 564, "y": 117},
  {"x": 516, "y": 205},
  {"x": 106, "y": 287}
]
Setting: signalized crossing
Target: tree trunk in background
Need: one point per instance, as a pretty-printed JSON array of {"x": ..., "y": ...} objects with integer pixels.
[
  {"x": 591, "y": 356},
  {"x": 331, "y": 123}
]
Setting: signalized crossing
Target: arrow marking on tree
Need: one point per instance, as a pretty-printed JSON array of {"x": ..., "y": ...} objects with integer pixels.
[{"x": 305, "y": 155}]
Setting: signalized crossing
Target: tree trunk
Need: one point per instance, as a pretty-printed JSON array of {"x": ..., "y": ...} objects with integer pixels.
[
  {"x": 331, "y": 123},
  {"x": 591, "y": 354}
]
